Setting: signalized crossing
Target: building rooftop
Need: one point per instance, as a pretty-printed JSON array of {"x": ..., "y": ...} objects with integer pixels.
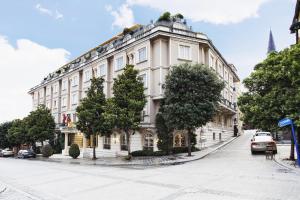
[{"x": 128, "y": 36}]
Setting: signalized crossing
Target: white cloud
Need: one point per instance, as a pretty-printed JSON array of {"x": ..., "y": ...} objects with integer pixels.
[
  {"x": 23, "y": 67},
  {"x": 123, "y": 16},
  {"x": 58, "y": 15},
  {"x": 46, "y": 11},
  {"x": 212, "y": 11}
]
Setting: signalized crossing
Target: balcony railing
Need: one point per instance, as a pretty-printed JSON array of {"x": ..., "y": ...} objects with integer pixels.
[{"x": 229, "y": 104}]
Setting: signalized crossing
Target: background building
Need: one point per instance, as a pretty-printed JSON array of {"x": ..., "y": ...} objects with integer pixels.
[
  {"x": 296, "y": 21},
  {"x": 152, "y": 49}
]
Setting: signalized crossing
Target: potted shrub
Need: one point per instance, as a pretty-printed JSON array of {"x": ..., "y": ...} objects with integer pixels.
[
  {"x": 47, "y": 151},
  {"x": 74, "y": 151}
]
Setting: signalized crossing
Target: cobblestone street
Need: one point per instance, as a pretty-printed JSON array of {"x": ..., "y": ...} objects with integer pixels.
[{"x": 229, "y": 173}]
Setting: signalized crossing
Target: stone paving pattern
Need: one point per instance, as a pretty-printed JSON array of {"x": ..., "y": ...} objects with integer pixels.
[{"x": 229, "y": 173}]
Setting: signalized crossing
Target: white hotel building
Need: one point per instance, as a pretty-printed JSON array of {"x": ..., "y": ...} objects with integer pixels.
[{"x": 152, "y": 49}]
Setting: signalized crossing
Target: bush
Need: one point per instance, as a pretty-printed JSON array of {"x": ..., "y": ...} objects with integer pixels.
[
  {"x": 128, "y": 157},
  {"x": 147, "y": 153},
  {"x": 47, "y": 151},
  {"x": 177, "y": 150},
  {"x": 74, "y": 151}
]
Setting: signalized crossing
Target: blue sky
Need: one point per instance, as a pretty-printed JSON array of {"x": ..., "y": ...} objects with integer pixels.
[{"x": 42, "y": 35}]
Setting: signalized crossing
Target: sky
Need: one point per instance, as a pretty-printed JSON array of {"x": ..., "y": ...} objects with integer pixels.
[{"x": 38, "y": 36}]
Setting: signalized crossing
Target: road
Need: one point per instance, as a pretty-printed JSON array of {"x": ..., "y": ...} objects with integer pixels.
[{"x": 230, "y": 173}]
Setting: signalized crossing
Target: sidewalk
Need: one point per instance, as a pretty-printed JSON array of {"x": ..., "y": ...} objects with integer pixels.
[
  {"x": 283, "y": 153},
  {"x": 138, "y": 161}
]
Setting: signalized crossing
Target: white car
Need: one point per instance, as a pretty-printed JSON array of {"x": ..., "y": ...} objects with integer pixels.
[
  {"x": 6, "y": 153},
  {"x": 259, "y": 143}
]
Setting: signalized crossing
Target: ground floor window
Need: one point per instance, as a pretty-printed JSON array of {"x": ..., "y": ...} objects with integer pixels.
[
  {"x": 179, "y": 140},
  {"x": 123, "y": 142},
  {"x": 148, "y": 141},
  {"x": 106, "y": 142}
]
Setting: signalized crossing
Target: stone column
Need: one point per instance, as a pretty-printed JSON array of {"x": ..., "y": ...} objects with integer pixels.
[{"x": 66, "y": 144}]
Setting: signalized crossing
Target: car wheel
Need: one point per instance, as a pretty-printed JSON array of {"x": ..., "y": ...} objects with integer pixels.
[{"x": 252, "y": 152}]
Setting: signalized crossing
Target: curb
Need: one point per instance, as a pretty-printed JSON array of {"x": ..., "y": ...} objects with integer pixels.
[
  {"x": 203, "y": 156},
  {"x": 2, "y": 188},
  {"x": 155, "y": 164}
]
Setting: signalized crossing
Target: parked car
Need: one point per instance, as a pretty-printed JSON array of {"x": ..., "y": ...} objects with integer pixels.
[
  {"x": 259, "y": 143},
  {"x": 6, "y": 153},
  {"x": 26, "y": 154},
  {"x": 262, "y": 133}
]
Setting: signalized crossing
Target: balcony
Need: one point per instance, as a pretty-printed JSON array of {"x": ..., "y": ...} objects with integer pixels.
[{"x": 227, "y": 106}]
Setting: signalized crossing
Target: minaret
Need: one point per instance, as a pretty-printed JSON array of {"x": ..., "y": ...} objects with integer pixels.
[{"x": 271, "y": 46}]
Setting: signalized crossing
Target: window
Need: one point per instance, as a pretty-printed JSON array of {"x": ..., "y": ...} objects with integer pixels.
[
  {"x": 74, "y": 117},
  {"x": 95, "y": 72},
  {"x": 87, "y": 75},
  {"x": 55, "y": 88},
  {"x": 211, "y": 61},
  {"x": 179, "y": 140},
  {"x": 220, "y": 70},
  {"x": 119, "y": 64},
  {"x": 54, "y": 104},
  {"x": 226, "y": 76},
  {"x": 102, "y": 70},
  {"x": 123, "y": 142},
  {"x": 64, "y": 85},
  {"x": 106, "y": 142},
  {"x": 48, "y": 91},
  {"x": 142, "y": 54},
  {"x": 148, "y": 141},
  {"x": 184, "y": 52},
  {"x": 74, "y": 99},
  {"x": 75, "y": 81},
  {"x": 144, "y": 79},
  {"x": 64, "y": 102}
]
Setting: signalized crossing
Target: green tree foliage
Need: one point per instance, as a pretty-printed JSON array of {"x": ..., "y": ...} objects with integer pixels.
[
  {"x": 128, "y": 102},
  {"x": 166, "y": 16},
  {"x": 273, "y": 91},
  {"x": 40, "y": 125},
  {"x": 3, "y": 134},
  {"x": 192, "y": 96},
  {"x": 91, "y": 120},
  {"x": 17, "y": 133},
  {"x": 164, "y": 133}
]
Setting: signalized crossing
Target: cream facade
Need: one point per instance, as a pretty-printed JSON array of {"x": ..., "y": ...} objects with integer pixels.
[{"x": 152, "y": 49}]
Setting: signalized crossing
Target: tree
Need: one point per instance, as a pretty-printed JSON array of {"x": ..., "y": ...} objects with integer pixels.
[
  {"x": 17, "y": 133},
  {"x": 40, "y": 125},
  {"x": 91, "y": 120},
  {"x": 166, "y": 16},
  {"x": 4, "y": 127},
  {"x": 273, "y": 91},
  {"x": 164, "y": 133},
  {"x": 128, "y": 102},
  {"x": 192, "y": 96}
]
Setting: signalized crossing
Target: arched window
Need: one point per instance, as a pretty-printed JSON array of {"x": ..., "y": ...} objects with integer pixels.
[
  {"x": 123, "y": 142},
  {"x": 179, "y": 140},
  {"x": 148, "y": 141}
]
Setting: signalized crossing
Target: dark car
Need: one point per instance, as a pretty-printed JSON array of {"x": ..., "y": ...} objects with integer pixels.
[{"x": 26, "y": 154}]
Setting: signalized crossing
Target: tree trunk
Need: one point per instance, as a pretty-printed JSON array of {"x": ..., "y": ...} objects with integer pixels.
[
  {"x": 94, "y": 147},
  {"x": 292, "y": 153},
  {"x": 128, "y": 141},
  {"x": 189, "y": 142}
]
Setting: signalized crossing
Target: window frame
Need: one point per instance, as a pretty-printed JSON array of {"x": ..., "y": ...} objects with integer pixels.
[
  {"x": 139, "y": 55},
  {"x": 117, "y": 67},
  {"x": 182, "y": 57}
]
